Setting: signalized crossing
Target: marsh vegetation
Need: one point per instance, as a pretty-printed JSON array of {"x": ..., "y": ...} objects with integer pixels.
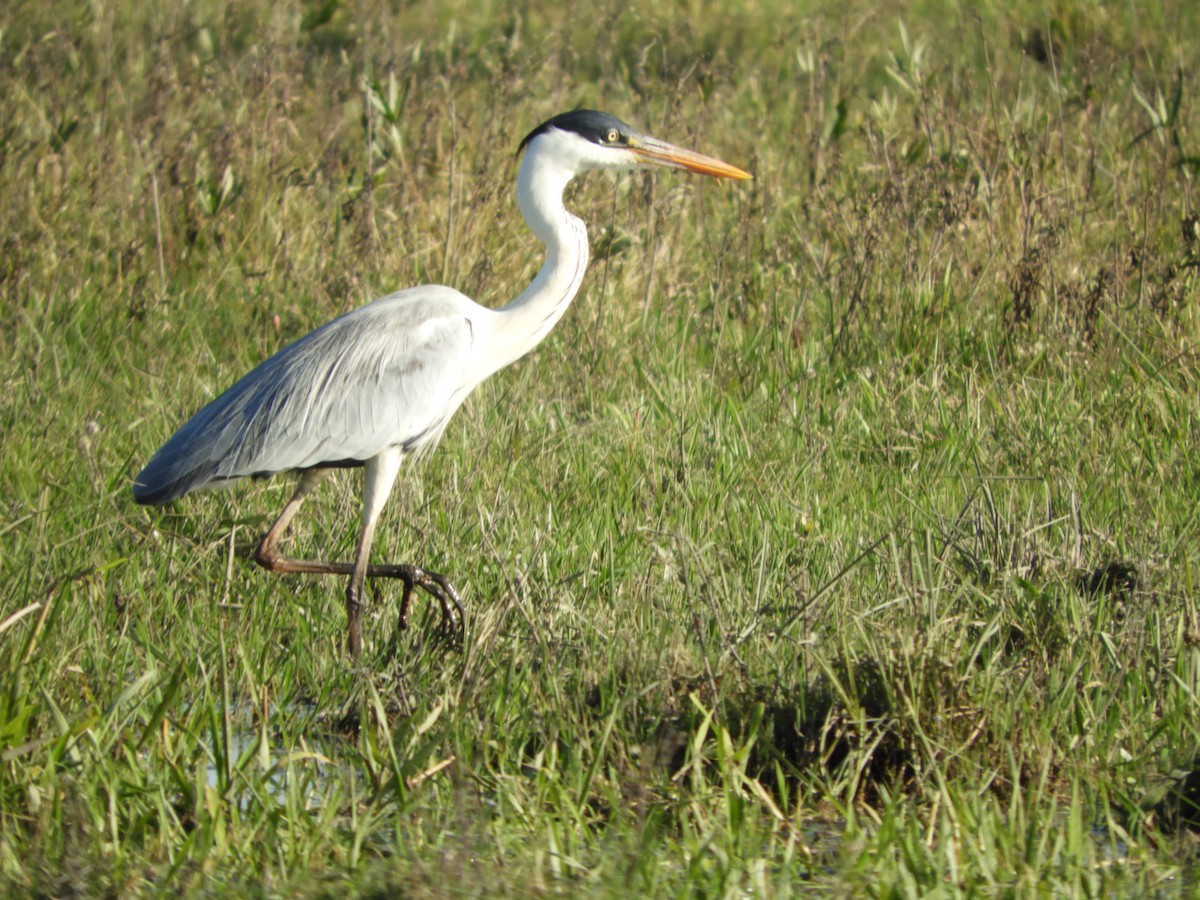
[{"x": 841, "y": 538}]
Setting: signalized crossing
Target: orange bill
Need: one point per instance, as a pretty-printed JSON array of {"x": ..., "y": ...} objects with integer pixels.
[{"x": 664, "y": 154}]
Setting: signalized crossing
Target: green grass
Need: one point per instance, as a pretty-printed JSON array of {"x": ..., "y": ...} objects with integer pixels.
[{"x": 842, "y": 538}]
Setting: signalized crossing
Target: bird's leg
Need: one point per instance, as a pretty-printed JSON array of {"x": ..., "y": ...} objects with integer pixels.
[
  {"x": 380, "y": 476},
  {"x": 266, "y": 555}
]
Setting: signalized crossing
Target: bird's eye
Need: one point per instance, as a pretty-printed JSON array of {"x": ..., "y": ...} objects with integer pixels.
[{"x": 611, "y": 136}]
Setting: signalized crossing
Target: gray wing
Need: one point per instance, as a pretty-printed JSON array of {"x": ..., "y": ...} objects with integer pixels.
[{"x": 387, "y": 374}]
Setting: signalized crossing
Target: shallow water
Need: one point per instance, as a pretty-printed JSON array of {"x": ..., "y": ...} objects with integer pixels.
[{"x": 261, "y": 758}]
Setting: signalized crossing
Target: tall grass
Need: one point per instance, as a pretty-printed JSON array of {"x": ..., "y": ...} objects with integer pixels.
[{"x": 841, "y": 537}]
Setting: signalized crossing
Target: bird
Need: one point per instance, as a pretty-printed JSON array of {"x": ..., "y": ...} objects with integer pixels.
[{"x": 379, "y": 384}]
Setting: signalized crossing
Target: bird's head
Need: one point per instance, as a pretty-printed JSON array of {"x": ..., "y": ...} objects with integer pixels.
[{"x": 586, "y": 139}]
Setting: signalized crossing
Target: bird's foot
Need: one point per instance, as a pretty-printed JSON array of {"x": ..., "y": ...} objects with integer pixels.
[{"x": 437, "y": 586}]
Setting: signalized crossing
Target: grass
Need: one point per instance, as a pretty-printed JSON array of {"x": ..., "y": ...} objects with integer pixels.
[{"x": 842, "y": 537}]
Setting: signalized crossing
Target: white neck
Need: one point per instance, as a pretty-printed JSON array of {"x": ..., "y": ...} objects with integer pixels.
[{"x": 523, "y": 323}]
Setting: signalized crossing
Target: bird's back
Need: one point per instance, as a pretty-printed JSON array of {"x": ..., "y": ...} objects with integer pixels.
[{"x": 387, "y": 374}]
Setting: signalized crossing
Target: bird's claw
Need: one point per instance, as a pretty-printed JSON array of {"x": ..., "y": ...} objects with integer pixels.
[{"x": 439, "y": 587}]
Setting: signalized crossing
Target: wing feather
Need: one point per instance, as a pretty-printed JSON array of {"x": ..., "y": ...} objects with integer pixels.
[{"x": 387, "y": 374}]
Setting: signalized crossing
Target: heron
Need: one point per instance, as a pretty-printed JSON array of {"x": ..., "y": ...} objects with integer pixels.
[{"x": 379, "y": 384}]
